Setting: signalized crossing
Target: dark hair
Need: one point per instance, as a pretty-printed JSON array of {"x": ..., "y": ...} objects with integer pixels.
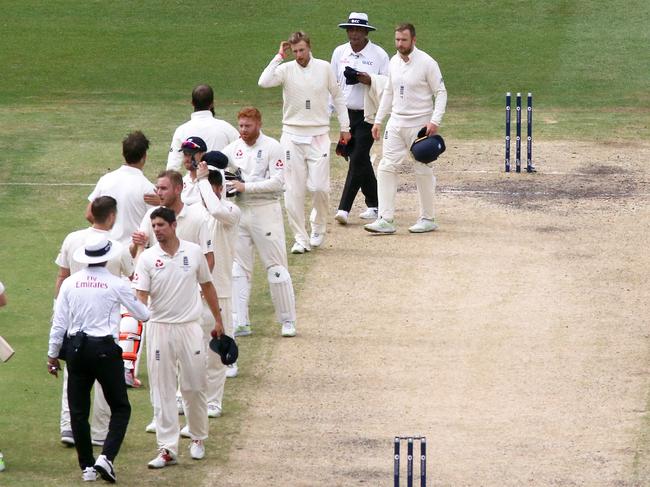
[
  {"x": 406, "y": 26},
  {"x": 134, "y": 147},
  {"x": 202, "y": 97},
  {"x": 101, "y": 208},
  {"x": 296, "y": 37},
  {"x": 165, "y": 213},
  {"x": 215, "y": 178},
  {"x": 174, "y": 176}
]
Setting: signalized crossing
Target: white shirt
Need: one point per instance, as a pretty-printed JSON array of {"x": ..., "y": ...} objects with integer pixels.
[
  {"x": 127, "y": 185},
  {"x": 2, "y": 288},
  {"x": 372, "y": 59},
  {"x": 121, "y": 265},
  {"x": 89, "y": 301},
  {"x": 262, "y": 167},
  {"x": 305, "y": 93},
  {"x": 190, "y": 194},
  {"x": 171, "y": 281},
  {"x": 224, "y": 226},
  {"x": 216, "y": 134},
  {"x": 191, "y": 225},
  {"x": 408, "y": 93}
]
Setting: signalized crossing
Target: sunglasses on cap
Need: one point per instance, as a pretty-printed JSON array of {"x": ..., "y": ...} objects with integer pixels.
[{"x": 189, "y": 146}]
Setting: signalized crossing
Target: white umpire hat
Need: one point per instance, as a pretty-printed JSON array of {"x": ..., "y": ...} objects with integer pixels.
[
  {"x": 98, "y": 249},
  {"x": 357, "y": 19}
]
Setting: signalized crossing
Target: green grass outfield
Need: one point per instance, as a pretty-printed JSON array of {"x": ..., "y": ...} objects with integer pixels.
[{"x": 77, "y": 76}]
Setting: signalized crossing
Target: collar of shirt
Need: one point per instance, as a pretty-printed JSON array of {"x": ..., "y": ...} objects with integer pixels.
[
  {"x": 362, "y": 53},
  {"x": 201, "y": 114},
  {"x": 127, "y": 168},
  {"x": 162, "y": 253},
  {"x": 411, "y": 56}
]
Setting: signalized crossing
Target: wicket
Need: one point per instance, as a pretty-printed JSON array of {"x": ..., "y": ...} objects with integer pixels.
[
  {"x": 409, "y": 460},
  {"x": 529, "y": 129}
]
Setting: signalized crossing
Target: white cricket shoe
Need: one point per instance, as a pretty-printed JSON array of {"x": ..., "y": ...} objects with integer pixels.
[
  {"x": 299, "y": 249},
  {"x": 380, "y": 226},
  {"x": 232, "y": 370},
  {"x": 2, "y": 462},
  {"x": 369, "y": 214},
  {"x": 104, "y": 467},
  {"x": 66, "y": 438},
  {"x": 342, "y": 217},
  {"x": 243, "y": 330},
  {"x": 89, "y": 474},
  {"x": 151, "y": 427},
  {"x": 316, "y": 239},
  {"x": 185, "y": 431},
  {"x": 288, "y": 329},
  {"x": 179, "y": 405},
  {"x": 423, "y": 225},
  {"x": 214, "y": 410},
  {"x": 164, "y": 458},
  {"x": 197, "y": 449}
]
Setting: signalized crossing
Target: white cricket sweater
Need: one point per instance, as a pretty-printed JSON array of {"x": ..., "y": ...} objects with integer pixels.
[
  {"x": 408, "y": 94},
  {"x": 305, "y": 93}
]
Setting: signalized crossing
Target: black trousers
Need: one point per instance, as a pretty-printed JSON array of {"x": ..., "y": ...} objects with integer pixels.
[
  {"x": 360, "y": 172},
  {"x": 99, "y": 358}
]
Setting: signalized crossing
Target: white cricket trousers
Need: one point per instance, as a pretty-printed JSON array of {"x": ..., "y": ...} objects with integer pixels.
[
  {"x": 216, "y": 371},
  {"x": 171, "y": 348},
  {"x": 261, "y": 227},
  {"x": 307, "y": 168},
  {"x": 101, "y": 411},
  {"x": 397, "y": 149}
]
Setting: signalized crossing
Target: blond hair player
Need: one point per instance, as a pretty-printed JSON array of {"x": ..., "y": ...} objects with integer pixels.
[
  {"x": 414, "y": 79},
  {"x": 307, "y": 83},
  {"x": 168, "y": 276}
]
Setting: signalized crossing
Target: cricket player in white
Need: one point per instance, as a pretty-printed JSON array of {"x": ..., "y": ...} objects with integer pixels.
[
  {"x": 260, "y": 160},
  {"x": 307, "y": 83},
  {"x": 215, "y": 132},
  {"x": 104, "y": 213},
  {"x": 414, "y": 78},
  {"x": 166, "y": 276},
  {"x": 223, "y": 228},
  {"x": 130, "y": 188}
]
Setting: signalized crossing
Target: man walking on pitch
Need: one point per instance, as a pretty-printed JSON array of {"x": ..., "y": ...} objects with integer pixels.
[
  {"x": 169, "y": 274},
  {"x": 413, "y": 80},
  {"x": 361, "y": 68},
  {"x": 307, "y": 83},
  {"x": 88, "y": 311}
]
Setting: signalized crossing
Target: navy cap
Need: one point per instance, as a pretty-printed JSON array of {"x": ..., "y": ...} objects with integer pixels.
[
  {"x": 226, "y": 348},
  {"x": 193, "y": 144},
  {"x": 427, "y": 149},
  {"x": 216, "y": 159}
]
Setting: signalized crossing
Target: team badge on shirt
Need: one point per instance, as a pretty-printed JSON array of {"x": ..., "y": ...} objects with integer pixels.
[
  {"x": 159, "y": 264},
  {"x": 186, "y": 263},
  {"x": 279, "y": 164},
  {"x": 239, "y": 154}
]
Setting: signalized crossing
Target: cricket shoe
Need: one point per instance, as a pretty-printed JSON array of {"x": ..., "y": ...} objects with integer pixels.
[
  {"x": 316, "y": 239},
  {"x": 214, "y": 410},
  {"x": 197, "y": 449},
  {"x": 104, "y": 467},
  {"x": 89, "y": 474},
  {"x": 369, "y": 214},
  {"x": 299, "y": 249},
  {"x": 342, "y": 217},
  {"x": 164, "y": 459},
  {"x": 232, "y": 370},
  {"x": 185, "y": 431},
  {"x": 2, "y": 462},
  {"x": 151, "y": 427},
  {"x": 243, "y": 330},
  {"x": 423, "y": 225},
  {"x": 288, "y": 329},
  {"x": 380, "y": 225},
  {"x": 66, "y": 438}
]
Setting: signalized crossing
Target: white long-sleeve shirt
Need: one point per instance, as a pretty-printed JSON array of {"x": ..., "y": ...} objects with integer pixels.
[
  {"x": 89, "y": 301},
  {"x": 216, "y": 134},
  {"x": 223, "y": 227},
  {"x": 305, "y": 93},
  {"x": 408, "y": 94},
  {"x": 262, "y": 167}
]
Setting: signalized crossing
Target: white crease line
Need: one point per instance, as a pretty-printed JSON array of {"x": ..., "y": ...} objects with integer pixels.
[{"x": 46, "y": 184}]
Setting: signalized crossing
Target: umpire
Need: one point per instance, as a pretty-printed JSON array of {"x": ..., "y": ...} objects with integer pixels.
[{"x": 88, "y": 312}]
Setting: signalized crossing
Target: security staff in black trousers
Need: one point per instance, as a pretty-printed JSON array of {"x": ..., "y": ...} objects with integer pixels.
[{"x": 88, "y": 313}]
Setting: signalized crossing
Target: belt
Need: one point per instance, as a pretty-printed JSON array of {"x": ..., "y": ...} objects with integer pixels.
[
  {"x": 107, "y": 338},
  {"x": 354, "y": 111}
]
